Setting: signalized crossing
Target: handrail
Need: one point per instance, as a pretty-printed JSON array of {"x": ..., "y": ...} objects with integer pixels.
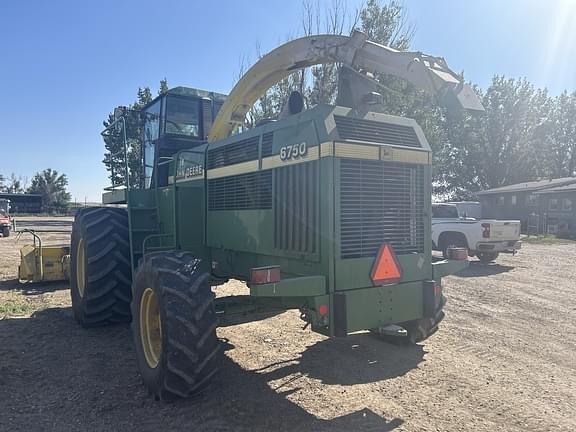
[{"x": 38, "y": 255}]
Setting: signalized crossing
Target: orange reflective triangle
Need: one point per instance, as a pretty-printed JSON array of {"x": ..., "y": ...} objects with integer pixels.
[{"x": 386, "y": 268}]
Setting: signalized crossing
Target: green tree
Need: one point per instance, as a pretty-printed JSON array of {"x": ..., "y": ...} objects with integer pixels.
[
  {"x": 384, "y": 22},
  {"x": 506, "y": 144},
  {"x": 15, "y": 184},
  {"x": 387, "y": 24},
  {"x": 114, "y": 157},
  {"x": 163, "y": 86},
  {"x": 558, "y": 136},
  {"x": 52, "y": 186}
]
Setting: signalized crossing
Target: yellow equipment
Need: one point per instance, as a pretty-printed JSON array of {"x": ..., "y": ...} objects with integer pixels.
[{"x": 43, "y": 263}]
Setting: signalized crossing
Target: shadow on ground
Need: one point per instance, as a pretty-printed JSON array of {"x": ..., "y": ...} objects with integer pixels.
[
  {"x": 33, "y": 288},
  {"x": 56, "y": 376},
  {"x": 361, "y": 359},
  {"x": 478, "y": 269}
]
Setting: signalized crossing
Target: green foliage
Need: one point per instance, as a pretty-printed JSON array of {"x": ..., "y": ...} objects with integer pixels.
[
  {"x": 163, "y": 86},
  {"x": 16, "y": 184},
  {"x": 114, "y": 157},
  {"x": 386, "y": 23},
  {"x": 52, "y": 186}
]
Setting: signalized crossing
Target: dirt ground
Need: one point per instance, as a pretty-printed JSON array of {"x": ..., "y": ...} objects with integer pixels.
[{"x": 503, "y": 360}]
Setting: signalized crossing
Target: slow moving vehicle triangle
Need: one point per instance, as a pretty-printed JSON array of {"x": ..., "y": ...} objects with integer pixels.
[{"x": 386, "y": 268}]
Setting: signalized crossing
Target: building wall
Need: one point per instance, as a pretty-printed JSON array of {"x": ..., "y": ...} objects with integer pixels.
[
  {"x": 560, "y": 215},
  {"x": 24, "y": 203},
  {"x": 510, "y": 205}
]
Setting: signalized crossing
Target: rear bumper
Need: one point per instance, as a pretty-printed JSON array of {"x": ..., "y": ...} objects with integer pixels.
[{"x": 502, "y": 247}]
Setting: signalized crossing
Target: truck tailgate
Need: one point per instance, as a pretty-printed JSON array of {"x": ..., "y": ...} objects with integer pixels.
[{"x": 503, "y": 230}]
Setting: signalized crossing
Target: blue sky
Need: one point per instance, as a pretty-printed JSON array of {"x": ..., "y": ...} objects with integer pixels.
[{"x": 65, "y": 64}]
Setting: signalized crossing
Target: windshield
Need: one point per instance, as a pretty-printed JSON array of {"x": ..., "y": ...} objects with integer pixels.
[
  {"x": 4, "y": 206},
  {"x": 444, "y": 211},
  {"x": 182, "y": 117}
]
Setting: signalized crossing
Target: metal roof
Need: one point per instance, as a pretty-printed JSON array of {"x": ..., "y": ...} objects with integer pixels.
[
  {"x": 19, "y": 195},
  {"x": 566, "y": 188},
  {"x": 530, "y": 186}
]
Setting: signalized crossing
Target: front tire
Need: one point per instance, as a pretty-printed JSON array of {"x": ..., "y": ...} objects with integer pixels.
[
  {"x": 100, "y": 270},
  {"x": 6, "y": 231},
  {"x": 174, "y": 325}
]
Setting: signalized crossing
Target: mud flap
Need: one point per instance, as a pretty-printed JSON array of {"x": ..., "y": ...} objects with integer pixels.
[{"x": 340, "y": 316}]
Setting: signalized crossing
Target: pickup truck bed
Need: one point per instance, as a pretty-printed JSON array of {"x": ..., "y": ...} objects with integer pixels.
[{"x": 484, "y": 238}]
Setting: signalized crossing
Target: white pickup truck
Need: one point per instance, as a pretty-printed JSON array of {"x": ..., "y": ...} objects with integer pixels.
[{"x": 484, "y": 238}]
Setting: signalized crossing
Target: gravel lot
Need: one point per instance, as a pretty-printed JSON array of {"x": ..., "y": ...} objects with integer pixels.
[{"x": 503, "y": 360}]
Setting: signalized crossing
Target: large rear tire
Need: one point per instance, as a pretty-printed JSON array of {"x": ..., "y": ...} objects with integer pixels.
[
  {"x": 174, "y": 325},
  {"x": 6, "y": 231},
  {"x": 100, "y": 270}
]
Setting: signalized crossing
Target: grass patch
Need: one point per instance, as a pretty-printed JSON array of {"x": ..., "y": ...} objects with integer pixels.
[{"x": 14, "y": 304}]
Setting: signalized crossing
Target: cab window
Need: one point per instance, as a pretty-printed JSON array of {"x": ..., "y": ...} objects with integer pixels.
[
  {"x": 182, "y": 117},
  {"x": 151, "y": 134},
  {"x": 444, "y": 212}
]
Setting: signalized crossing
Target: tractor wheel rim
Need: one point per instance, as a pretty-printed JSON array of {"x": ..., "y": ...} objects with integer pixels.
[
  {"x": 150, "y": 328},
  {"x": 80, "y": 269}
]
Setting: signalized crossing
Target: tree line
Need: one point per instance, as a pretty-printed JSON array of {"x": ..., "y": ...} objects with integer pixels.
[
  {"x": 49, "y": 183},
  {"x": 524, "y": 134}
]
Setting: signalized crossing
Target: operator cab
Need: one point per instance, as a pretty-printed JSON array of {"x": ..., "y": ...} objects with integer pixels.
[
  {"x": 4, "y": 207},
  {"x": 176, "y": 120}
]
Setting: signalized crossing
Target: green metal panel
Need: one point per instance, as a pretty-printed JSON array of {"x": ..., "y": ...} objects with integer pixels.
[
  {"x": 355, "y": 273},
  {"x": 373, "y": 307},
  {"x": 166, "y": 215},
  {"x": 447, "y": 267},
  {"x": 295, "y": 287},
  {"x": 241, "y": 230}
]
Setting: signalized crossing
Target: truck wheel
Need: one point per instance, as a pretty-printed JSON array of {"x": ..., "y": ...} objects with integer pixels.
[
  {"x": 6, "y": 231},
  {"x": 487, "y": 257},
  {"x": 100, "y": 270},
  {"x": 174, "y": 325}
]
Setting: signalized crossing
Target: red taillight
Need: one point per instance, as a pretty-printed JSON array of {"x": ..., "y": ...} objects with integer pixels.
[
  {"x": 437, "y": 289},
  {"x": 323, "y": 310},
  {"x": 486, "y": 230},
  {"x": 264, "y": 275}
]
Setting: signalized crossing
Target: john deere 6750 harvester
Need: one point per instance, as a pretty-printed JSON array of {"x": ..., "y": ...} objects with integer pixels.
[{"x": 325, "y": 210}]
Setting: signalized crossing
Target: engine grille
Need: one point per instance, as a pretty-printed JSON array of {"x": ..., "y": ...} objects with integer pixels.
[
  {"x": 241, "y": 151},
  {"x": 241, "y": 192},
  {"x": 380, "y": 202},
  {"x": 295, "y": 207},
  {"x": 267, "y": 144},
  {"x": 356, "y": 129}
]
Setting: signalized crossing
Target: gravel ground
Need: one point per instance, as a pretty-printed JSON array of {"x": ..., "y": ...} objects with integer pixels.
[{"x": 503, "y": 360}]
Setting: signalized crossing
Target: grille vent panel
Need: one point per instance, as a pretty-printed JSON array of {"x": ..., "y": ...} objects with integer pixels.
[
  {"x": 206, "y": 116},
  {"x": 380, "y": 202},
  {"x": 267, "y": 144},
  {"x": 241, "y": 192},
  {"x": 295, "y": 207},
  {"x": 356, "y": 129},
  {"x": 241, "y": 151}
]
